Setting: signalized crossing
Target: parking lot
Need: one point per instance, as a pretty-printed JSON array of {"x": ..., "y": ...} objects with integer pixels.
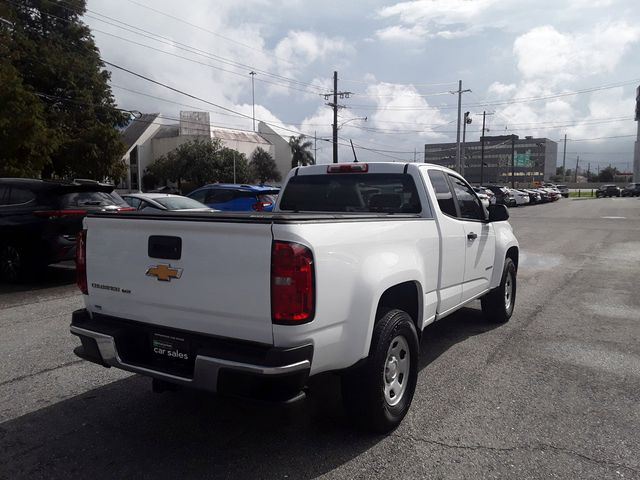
[{"x": 554, "y": 393}]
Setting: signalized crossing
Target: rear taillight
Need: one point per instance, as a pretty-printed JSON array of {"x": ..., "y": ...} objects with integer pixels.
[
  {"x": 126, "y": 209},
  {"x": 292, "y": 283},
  {"x": 59, "y": 213},
  {"x": 81, "y": 261},
  {"x": 260, "y": 206}
]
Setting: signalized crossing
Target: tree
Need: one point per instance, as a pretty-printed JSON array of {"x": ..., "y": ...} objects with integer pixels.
[
  {"x": 607, "y": 174},
  {"x": 70, "y": 103},
  {"x": 26, "y": 141},
  {"x": 200, "y": 161},
  {"x": 263, "y": 166},
  {"x": 301, "y": 156}
]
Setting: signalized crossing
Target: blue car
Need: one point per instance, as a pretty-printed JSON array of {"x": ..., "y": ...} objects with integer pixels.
[{"x": 237, "y": 198}]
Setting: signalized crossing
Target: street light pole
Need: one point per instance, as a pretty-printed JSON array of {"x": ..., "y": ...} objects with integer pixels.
[{"x": 464, "y": 136}]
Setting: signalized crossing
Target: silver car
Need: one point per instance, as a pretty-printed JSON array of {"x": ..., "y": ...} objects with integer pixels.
[{"x": 154, "y": 202}]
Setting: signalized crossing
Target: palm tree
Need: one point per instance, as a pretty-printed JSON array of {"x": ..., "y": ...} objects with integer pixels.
[{"x": 301, "y": 156}]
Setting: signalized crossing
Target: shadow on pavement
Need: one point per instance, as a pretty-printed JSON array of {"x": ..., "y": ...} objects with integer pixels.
[
  {"x": 52, "y": 276},
  {"x": 122, "y": 430}
]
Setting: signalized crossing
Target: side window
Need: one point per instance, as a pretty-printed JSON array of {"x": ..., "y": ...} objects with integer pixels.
[
  {"x": 443, "y": 192},
  {"x": 199, "y": 196},
  {"x": 219, "y": 196},
  {"x": 470, "y": 206},
  {"x": 134, "y": 202},
  {"x": 20, "y": 196}
]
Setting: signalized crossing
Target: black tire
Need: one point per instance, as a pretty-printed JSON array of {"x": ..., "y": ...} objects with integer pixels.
[
  {"x": 498, "y": 304},
  {"x": 19, "y": 264},
  {"x": 12, "y": 265},
  {"x": 364, "y": 388}
]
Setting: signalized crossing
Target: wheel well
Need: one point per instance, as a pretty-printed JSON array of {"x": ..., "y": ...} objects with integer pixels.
[
  {"x": 513, "y": 254},
  {"x": 403, "y": 296}
]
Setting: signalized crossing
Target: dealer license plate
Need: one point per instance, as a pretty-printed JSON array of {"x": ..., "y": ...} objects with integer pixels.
[{"x": 170, "y": 347}]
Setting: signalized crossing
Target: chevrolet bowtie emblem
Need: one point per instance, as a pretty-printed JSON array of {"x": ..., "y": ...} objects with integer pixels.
[{"x": 164, "y": 272}]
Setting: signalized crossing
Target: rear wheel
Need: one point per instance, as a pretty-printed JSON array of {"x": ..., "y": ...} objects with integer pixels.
[
  {"x": 378, "y": 394},
  {"x": 498, "y": 304},
  {"x": 11, "y": 264}
]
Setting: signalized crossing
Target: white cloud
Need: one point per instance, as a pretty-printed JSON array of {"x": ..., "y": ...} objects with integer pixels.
[
  {"x": 544, "y": 52},
  {"x": 421, "y": 19},
  {"x": 400, "y": 33},
  {"x": 445, "y": 12},
  {"x": 307, "y": 47},
  {"x": 402, "y": 105},
  {"x": 502, "y": 90}
]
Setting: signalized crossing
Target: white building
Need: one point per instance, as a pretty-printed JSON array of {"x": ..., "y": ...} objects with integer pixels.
[{"x": 147, "y": 138}]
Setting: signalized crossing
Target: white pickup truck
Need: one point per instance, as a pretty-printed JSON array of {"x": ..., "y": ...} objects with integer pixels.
[{"x": 343, "y": 276}]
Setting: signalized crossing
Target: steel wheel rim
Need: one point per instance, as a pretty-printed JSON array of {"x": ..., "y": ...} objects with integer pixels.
[
  {"x": 395, "y": 377},
  {"x": 508, "y": 291},
  {"x": 10, "y": 262}
]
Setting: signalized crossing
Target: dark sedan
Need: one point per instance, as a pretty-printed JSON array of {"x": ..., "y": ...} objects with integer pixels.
[{"x": 608, "y": 191}]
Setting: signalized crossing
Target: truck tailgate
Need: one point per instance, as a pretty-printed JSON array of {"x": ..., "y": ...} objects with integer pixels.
[{"x": 220, "y": 285}]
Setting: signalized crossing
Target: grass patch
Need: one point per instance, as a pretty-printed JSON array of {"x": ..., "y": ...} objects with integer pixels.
[{"x": 583, "y": 194}]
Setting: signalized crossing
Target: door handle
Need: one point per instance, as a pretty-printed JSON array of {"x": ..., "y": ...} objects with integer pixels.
[{"x": 472, "y": 236}]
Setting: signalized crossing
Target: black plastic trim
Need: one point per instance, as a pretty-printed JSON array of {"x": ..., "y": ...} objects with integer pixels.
[{"x": 265, "y": 218}]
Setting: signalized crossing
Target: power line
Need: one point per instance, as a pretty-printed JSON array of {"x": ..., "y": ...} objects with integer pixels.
[
  {"x": 189, "y": 48},
  {"x": 211, "y": 32},
  {"x": 170, "y": 42},
  {"x": 513, "y": 100}
]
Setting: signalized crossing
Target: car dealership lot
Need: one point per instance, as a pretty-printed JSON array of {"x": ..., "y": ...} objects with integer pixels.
[{"x": 553, "y": 393}]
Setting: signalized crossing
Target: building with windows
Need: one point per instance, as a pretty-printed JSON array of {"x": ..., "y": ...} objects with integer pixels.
[
  {"x": 149, "y": 137},
  {"x": 533, "y": 159}
]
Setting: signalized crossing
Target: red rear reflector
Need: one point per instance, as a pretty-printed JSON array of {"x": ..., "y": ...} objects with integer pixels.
[
  {"x": 81, "y": 261},
  {"x": 59, "y": 213},
  {"x": 126, "y": 209},
  {"x": 292, "y": 285},
  {"x": 348, "y": 168},
  {"x": 260, "y": 206}
]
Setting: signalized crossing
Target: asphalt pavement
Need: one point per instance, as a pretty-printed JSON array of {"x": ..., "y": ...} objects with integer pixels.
[{"x": 554, "y": 393}]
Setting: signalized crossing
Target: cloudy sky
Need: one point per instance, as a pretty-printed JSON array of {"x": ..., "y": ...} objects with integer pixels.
[{"x": 545, "y": 68}]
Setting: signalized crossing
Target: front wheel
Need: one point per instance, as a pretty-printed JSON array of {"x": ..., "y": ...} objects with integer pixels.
[
  {"x": 498, "y": 304},
  {"x": 378, "y": 394}
]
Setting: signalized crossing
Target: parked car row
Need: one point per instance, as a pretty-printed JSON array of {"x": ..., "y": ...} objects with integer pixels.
[
  {"x": 631, "y": 190},
  {"x": 512, "y": 197}
]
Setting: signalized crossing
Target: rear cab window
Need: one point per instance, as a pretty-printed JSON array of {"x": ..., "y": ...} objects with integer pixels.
[{"x": 353, "y": 192}]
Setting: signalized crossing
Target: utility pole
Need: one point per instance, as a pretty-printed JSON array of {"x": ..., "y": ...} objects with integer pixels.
[
  {"x": 355, "y": 159},
  {"x": 513, "y": 161},
  {"x": 564, "y": 156},
  {"x": 588, "y": 171},
  {"x": 484, "y": 116},
  {"x": 335, "y": 107},
  {"x": 315, "y": 146},
  {"x": 459, "y": 92},
  {"x": 253, "y": 99},
  {"x": 415, "y": 153},
  {"x": 335, "y": 117},
  {"x": 575, "y": 175}
]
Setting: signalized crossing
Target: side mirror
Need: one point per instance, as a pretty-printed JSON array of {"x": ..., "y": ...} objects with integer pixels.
[{"x": 498, "y": 213}]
